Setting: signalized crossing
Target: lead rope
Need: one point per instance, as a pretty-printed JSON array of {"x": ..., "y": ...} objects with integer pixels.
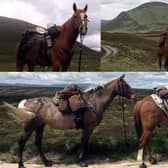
[
  {"x": 80, "y": 52},
  {"x": 122, "y": 104}
]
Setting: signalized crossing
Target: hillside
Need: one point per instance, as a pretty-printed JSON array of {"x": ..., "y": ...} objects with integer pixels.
[
  {"x": 10, "y": 33},
  {"x": 136, "y": 52},
  {"x": 152, "y": 16}
]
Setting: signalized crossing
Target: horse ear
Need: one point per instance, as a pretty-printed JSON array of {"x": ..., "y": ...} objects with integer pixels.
[
  {"x": 122, "y": 77},
  {"x": 86, "y": 7},
  {"x": 74, "y": 7}
]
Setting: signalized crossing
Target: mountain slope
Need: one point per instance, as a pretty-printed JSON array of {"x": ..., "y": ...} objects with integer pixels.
[{"x": 147, "y": 17}]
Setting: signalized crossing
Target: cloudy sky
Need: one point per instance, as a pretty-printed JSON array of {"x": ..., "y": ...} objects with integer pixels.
[
  {"x": 112, "y": 8},
  {"x": 42, "y": 12},
  {"x": 135, "y": 79}
]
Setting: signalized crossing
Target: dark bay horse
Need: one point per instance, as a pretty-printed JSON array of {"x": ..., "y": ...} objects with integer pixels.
[
  {"x": 162, "y": 53},
  {"x": 98, "y": 99},
  {"x": 60, "y": 54},
  {"x": 147, "y": 117}
]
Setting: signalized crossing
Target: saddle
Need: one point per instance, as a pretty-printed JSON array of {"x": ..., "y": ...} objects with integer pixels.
[
  {"x": 70, "y": 100},
  {"x": 160, "y": 97},
  {"x": 41, "y": 39}
]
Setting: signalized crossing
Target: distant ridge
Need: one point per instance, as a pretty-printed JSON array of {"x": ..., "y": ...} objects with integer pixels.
[{"x": 151, "y": 16}]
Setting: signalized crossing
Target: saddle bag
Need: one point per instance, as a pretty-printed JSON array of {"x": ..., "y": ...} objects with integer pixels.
[
  {"x": 53, "y": 31},
  {"x": 63, "y": 106},
  {"x": 76, "y": 103}
]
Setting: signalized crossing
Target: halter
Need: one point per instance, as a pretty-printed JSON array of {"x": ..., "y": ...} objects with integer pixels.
[{"x": 122, "y": 103}]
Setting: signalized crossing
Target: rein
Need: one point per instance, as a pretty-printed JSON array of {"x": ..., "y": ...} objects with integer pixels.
[
  {"x": 80, "y": 51},
  {"x": 122, "y": 103},
  {"x": 81, "y": 47}
]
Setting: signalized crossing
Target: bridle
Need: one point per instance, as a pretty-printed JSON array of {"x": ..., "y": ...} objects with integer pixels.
[
  {"x": 122, "y": 91},
  {"x": 84, "y": 20}
]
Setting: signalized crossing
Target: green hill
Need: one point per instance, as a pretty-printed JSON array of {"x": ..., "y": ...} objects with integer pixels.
[
  {"x": 10, "y": 34},
  {"x": 136, "y": 52},
  {"x": 152, "y": 16}
]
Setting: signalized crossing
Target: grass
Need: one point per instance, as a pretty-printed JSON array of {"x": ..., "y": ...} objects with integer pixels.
[
  {"x": 137, "y": 52},
  {"x": 151, "y": 16},
  {"x": 105, "y": 141},
  {"x": 90, "y": 60}
]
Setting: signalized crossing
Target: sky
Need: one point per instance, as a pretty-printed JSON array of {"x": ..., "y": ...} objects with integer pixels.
[
  {"x": 112, "y": 8},
  {"x": 42, "y": 12},
  {"x": 146, "y": 80}
]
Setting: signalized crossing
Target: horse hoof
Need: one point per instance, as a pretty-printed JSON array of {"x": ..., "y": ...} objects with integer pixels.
[
  {"x": 153, "y": 160},
  {"x": 83, "y": 164},
  {"x": 22, "y": 166},
  {"x": 48, "y": 163},
  {"x": 143, "y": 165}
]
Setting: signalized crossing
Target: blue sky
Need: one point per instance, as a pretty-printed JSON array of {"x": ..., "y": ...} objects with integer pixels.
[
  {"x": 112, "y": 8},
  {"x": 135, "y": 79}
]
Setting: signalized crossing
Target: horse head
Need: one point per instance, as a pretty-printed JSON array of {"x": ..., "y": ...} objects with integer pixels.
[
  {"x": 81, "y": 21},
  {"x": 123, "y": 89}
]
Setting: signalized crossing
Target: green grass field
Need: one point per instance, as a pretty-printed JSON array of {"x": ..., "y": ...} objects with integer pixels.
[
  {"x": 90, "y": 59},
  {"x": 137, "y": 52},
  {"x": 106, "y": 142}
]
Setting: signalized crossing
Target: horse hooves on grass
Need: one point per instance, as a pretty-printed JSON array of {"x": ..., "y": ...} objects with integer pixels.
[
  {"x": 83, "y": 164},
  {"x": 143, "y": 165},
  {"x": 48, "y": 163}
]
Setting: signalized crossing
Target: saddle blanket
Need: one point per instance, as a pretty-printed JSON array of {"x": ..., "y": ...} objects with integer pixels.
[{"x": 161, "y": 103}]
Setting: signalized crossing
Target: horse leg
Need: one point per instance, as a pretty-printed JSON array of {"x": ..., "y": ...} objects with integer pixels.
[
  {"x": 56, "y": 65},
  {"x": 166, "y": 64},
  {"x": 65, "y": 67},
  {"x": 142, "y": 143},
  {"x": 20, "y": 66},
  {"x": 151, "y": 159},
  {"x": 160, "y": 62},
  {"x": 84, "y": 145},
  {"x": 22, "y": 141},
  {"x": 38, "y": 143},
  {"x": 30, "y": 67}
]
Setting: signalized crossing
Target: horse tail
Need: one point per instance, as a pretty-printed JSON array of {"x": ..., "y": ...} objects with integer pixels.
[
  {"x": 137, "y": 118},
  {"x": 21, "y": 115}
]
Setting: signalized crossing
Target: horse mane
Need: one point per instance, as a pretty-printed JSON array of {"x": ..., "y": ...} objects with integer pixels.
[{"x": 94, "y": 89}]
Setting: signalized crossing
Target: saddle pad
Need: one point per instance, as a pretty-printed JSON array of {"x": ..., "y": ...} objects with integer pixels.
[{"x": 160, "y": 103}]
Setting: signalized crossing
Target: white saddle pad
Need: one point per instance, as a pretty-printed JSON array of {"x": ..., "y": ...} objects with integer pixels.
[{"x": 160, "y": 103}]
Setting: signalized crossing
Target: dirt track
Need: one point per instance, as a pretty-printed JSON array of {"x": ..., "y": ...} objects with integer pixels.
[
  {"x": 109, "y": 52},
  {"x": 120, "y": 164}
]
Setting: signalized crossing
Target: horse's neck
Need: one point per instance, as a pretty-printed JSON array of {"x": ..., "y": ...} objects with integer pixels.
[
  {"x": 69, "y": 32},
  {"x": 101, "y": 101}
]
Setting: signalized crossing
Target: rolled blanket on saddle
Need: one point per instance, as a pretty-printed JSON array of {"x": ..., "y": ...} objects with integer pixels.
[
  {"x": 161, "y": 91},
  {"x": 70, "y": 100}
]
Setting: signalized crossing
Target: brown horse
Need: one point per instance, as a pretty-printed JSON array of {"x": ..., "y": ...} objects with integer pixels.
[
  {"x": 98, "y": 99},
  {"x": 162, "y": 53},
  {"x": 60, "y": 54},
  {"x": 147, "y": 117}
]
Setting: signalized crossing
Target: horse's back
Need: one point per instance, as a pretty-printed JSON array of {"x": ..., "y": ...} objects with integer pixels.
[{"x": 45, "y": 108}]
